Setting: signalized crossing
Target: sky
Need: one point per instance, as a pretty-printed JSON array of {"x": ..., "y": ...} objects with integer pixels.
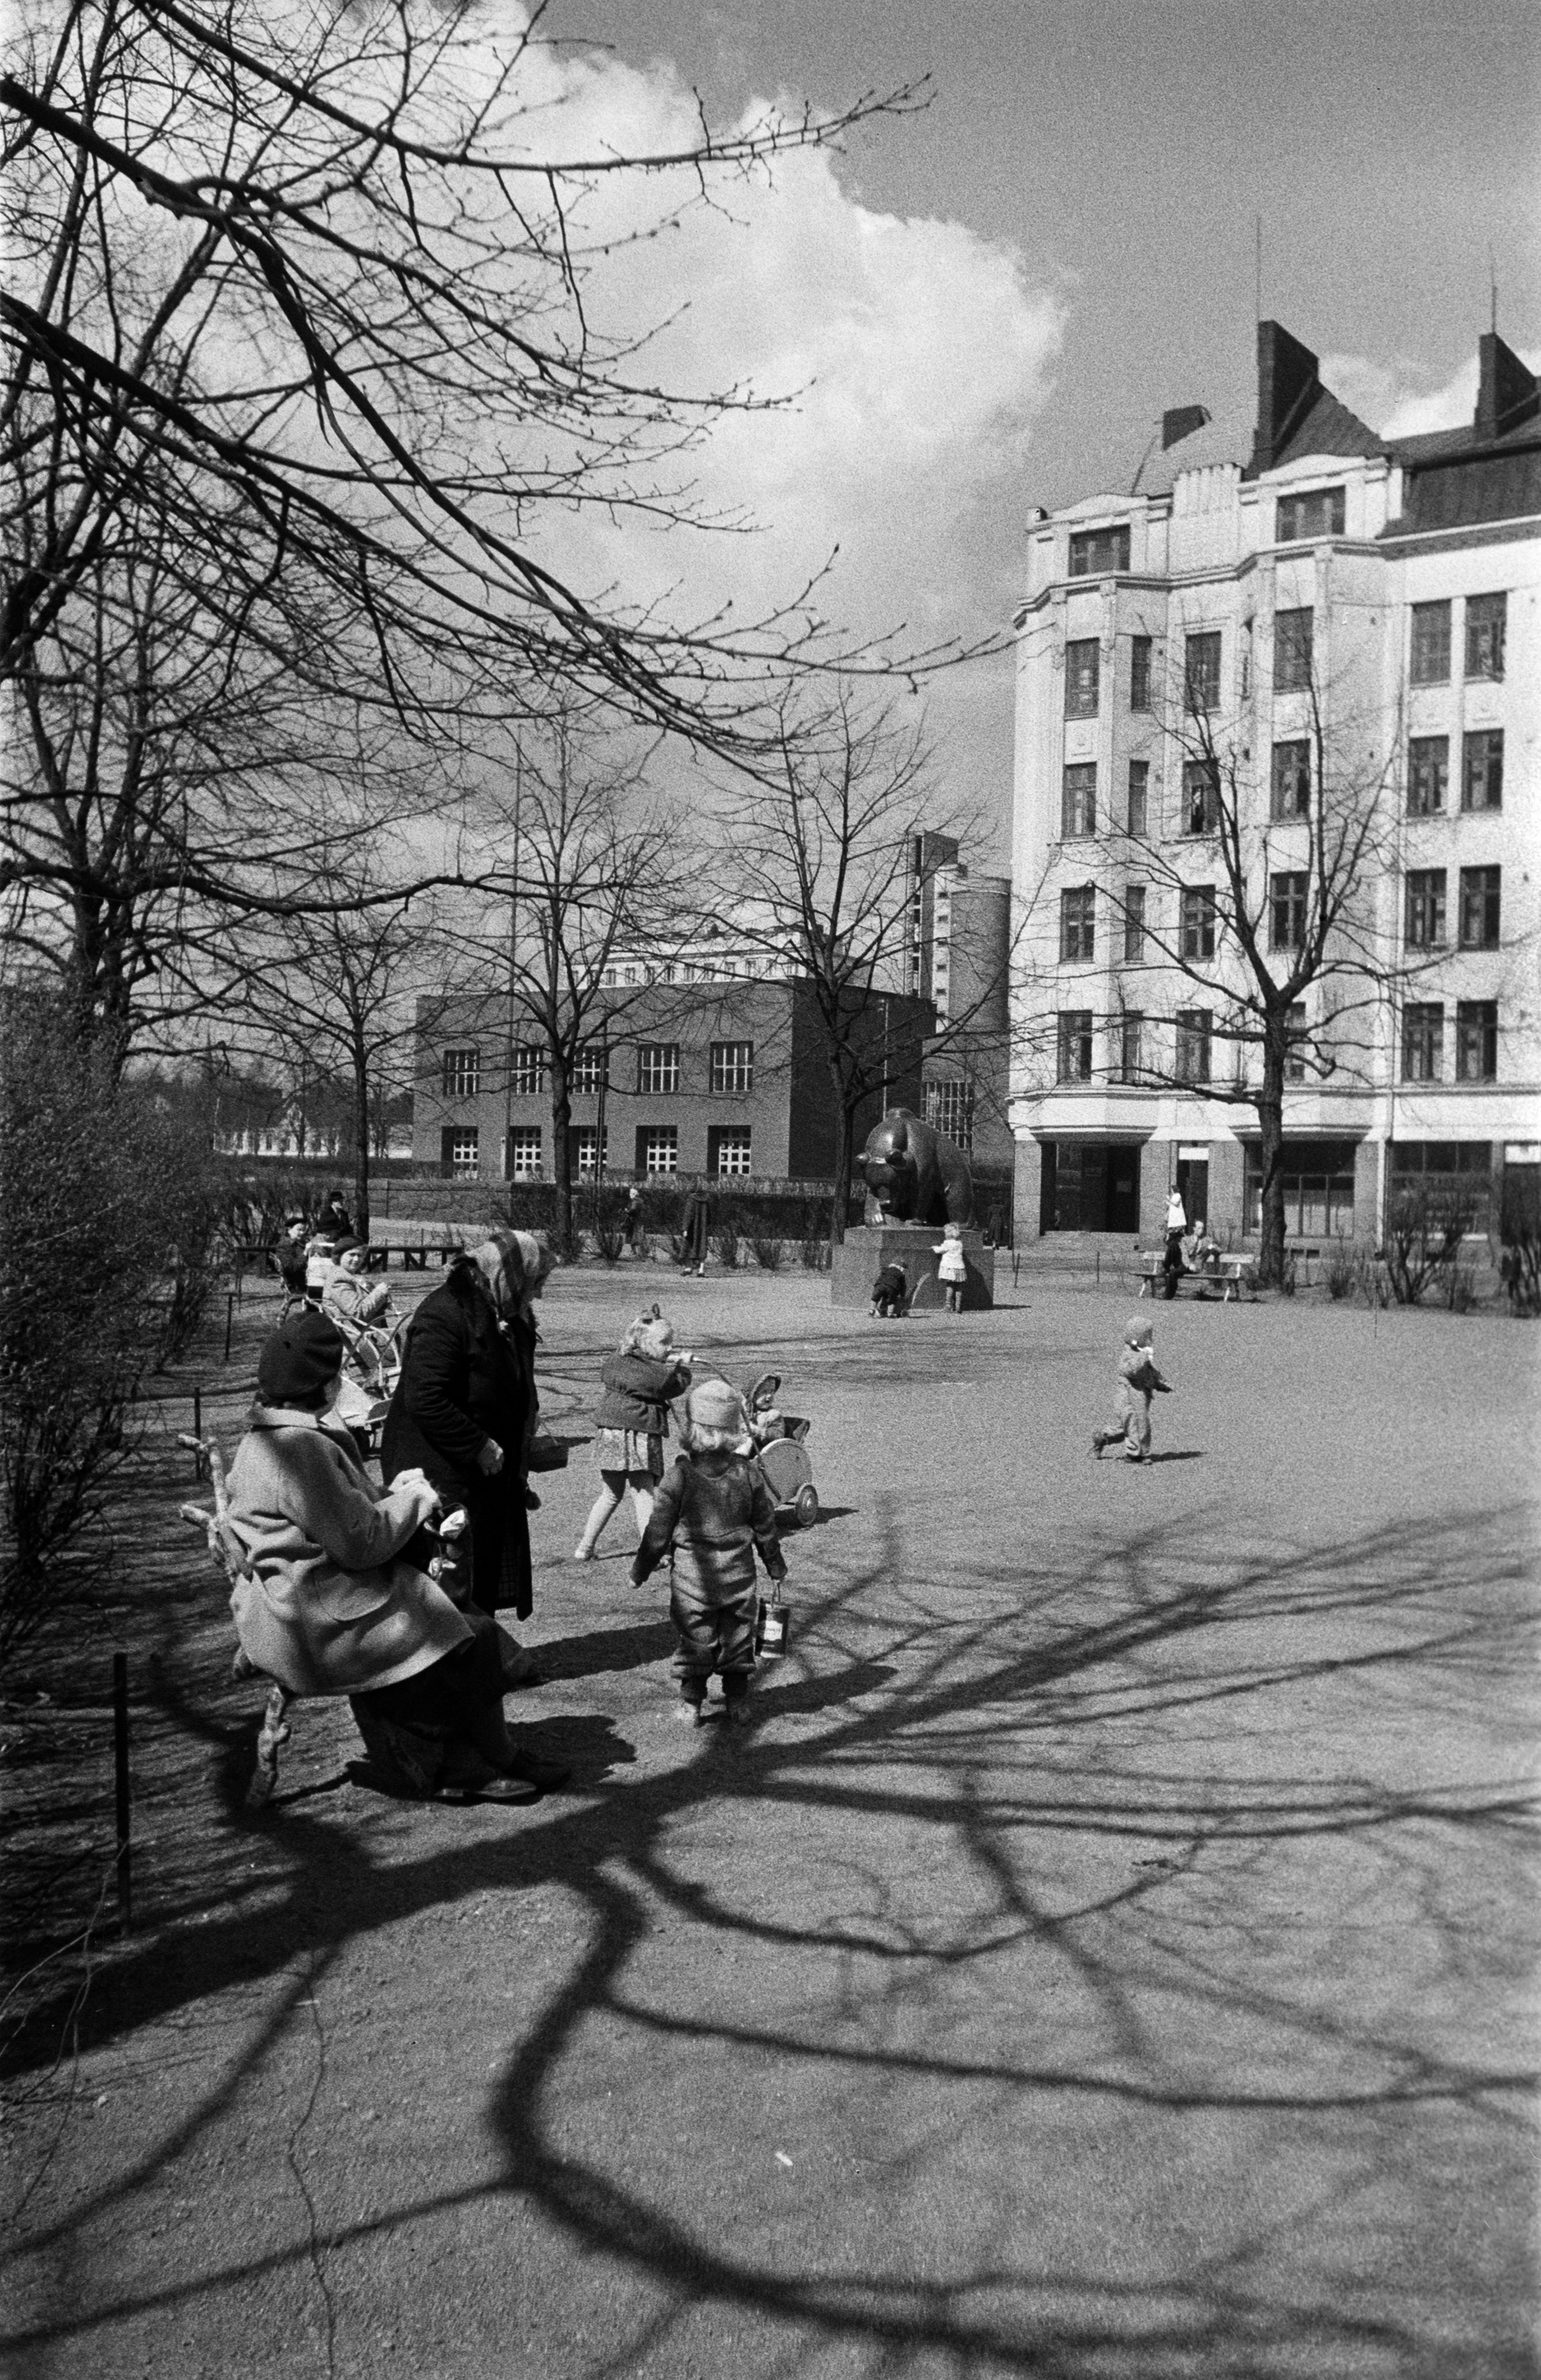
[{"x": 985, "y": 306}]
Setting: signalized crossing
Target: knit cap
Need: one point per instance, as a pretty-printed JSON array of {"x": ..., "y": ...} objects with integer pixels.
[
  {"x": 714, "y": 1404},
  {"x": 1138, "y": 1333},
  {"x": 300, "y": 1357}
]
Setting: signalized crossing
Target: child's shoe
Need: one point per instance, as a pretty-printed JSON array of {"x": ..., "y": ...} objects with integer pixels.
[
  {"x": 584, "y": 1553},
  {"x": 690, "y": 1710},
  {"x": 737, "y": 1713}
]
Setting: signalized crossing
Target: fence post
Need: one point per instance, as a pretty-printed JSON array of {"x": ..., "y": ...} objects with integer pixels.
[
  {"x": 198, "y": 1433},
  {"x": 120, "y": 1779},
  {"x": 229, "y": 1318}
]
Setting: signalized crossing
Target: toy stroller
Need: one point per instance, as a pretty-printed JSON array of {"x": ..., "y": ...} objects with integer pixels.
[{"x": 777, "y": 1439}]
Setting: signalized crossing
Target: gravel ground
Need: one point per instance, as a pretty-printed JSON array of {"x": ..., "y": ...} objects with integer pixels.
[{"x": 1110, "y": 1955}]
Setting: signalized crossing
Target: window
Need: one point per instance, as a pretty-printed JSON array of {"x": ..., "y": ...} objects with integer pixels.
[
  {"x": 586, "y": 1151},
  {"x": 1426, "y": 909},
  {"x": 462, "y": 1073},
  {"x": 1078, "y": 926},
  {"x": 1477, "y": 1040},
  {"x": 1201, "y": 671},
  {"x": 1428, "y": 774},
  {"x": 1075, "y": 1045},
  {"x": 1198, "y": 921},
  {"x": 657, "y": 1148},
  {"x": 1194, "y": 1031},
  {"x": 591, "y": 1068},
  {"x": 1139, "y": 672},
  {"x": 1422, "y": 1035},
  {"x": 1291, "y": 785},
  {"x": 1097, "y": 553},
  {"x": 1294, "y": 1053},
  {"x": 1481, "y": 771},
  {"x": 1318, "y": 512},
  {"x": 1485, "y": 634},
  {"x": 1134, "y": 922},
  {"x": 1292, "y": 650},
  {"x": 1139, "y": 793},
  {"x": 1480, "y": 889},
  {"x": 529, "y": 1069},
  {"x": 733, "y": 1065},
  {"x": 1078, "y": 809},
  {"x": 1082, "y": 677},
  {"x": 524, "y": 1152},
  {"x": 657, "y": 1066},
  {"x": 1430, "y": 663},
  {"x": 459, "y": 1151},
  {"x": 1450, "y": 1179},
  {"x": 950, "y": 1111},
  {"x": 1318, "y": 1188},
  {"x": 728, "y": 1148},
  {"x": 1200, "y": 796},
  {"x": 1131, "y": 1037},
  {"x": 1287, "y": 910}
]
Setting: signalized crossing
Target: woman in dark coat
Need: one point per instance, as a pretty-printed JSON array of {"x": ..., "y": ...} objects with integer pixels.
[
  {"x": 697, "y": 1223},
  {"x": 464, "y": 1413}
]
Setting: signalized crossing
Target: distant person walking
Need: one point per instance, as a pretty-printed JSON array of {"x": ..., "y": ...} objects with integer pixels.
[
  {"x": 634, "y": 1219},
  {"x": 1138, "y": 1379},
  {"x": 697, "y": 1225}
]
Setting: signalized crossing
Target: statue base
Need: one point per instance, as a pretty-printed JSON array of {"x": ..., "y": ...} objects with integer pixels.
[{"x": 860, "y": 1256}]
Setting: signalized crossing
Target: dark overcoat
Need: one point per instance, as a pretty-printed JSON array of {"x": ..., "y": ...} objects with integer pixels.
[{"x": 466, "y": 1379}]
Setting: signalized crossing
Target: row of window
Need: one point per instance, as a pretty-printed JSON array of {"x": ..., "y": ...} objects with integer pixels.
[
  {"x": 1293, "y": 652},
  {"x": 1479, "y": 902},
  {"x": 1290, "y": 785},
  {"x": 1312, "y": 513},
  {"x": 1477, "y": 1042},
  {"x": 730, "y": 1067},
  {"x": 656, "y": 1150},
  {"x": 1133, "y": 1056}
]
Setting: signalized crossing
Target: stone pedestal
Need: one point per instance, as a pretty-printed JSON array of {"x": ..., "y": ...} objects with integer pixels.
[{"x": 861, "y": 1255}]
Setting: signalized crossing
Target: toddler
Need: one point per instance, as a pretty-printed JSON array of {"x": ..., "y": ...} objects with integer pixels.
[
  {"x": 952, "y": 1271},
  {"x": 638, "y": 1381},
  {"x": 889, "y": 1290},
  {"x": 1138, "y": 1377},
  {"x": 709, "y": 1514}
]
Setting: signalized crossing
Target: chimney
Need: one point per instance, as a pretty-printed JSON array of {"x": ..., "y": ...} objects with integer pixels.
[
  {"x": 1507, "y": 392},
  {"x": 1287, "y": 386},
  {"x": 1181, "y": 423}
]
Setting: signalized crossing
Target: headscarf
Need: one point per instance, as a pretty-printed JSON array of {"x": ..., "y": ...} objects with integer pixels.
[{"x": 511, "y": 1264}]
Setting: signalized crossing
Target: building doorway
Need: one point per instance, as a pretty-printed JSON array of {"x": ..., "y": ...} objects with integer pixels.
[
  {"x": 1091, "y": 1185},
  {"x": 1192, "y": 1184}
]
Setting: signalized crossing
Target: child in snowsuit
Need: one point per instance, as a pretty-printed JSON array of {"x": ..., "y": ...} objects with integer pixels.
[
  {"x": 952, "y": 1271},
  {"x": 889, "y": 1290},
  {"x": 639, "y": 1380},
  {"x": 1137, "y": 1377},
  {"x": 709, "y": 1514}
]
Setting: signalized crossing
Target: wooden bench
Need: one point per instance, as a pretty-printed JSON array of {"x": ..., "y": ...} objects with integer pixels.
[{"x": 1230, "y": 1274}]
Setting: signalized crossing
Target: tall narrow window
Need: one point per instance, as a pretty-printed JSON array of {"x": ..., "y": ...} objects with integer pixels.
[
  {"x": 657, "y": 1066},
  {"x": 1480, "y": 890},
  {"x": 1075, "y": 1045},
  {"x": 524, "y": 1152},
  {"x": 1198, "y": 921},
  {"x": 1426, "y": 909},
  {"x": 1133, "y": 923},
  {"x": 1428, "y": 774},
  {"x": 1292, "y": 639},
  {"x": 1194, "y": 1038},
  {"x": 1287, "y": 910},
  {"x": 529, "y": 1070},
  {"x": 1131, "y": 1045},
  {"x": 1481, "y": 771},
  {"x": 1201, "y": 796},
  {"x": 1201, "y": 671},
  {"x": 587, "y": 1070},
  {"x": 1295, "y": 1049},
  {"x": 1423, "y": 1036},
  {"x": 1291, "y": 780},
  {"x": 1429, "y": 663},
  {"x": 1139, "y": 672},
  {"x": 733, "y": 1066},
  {"x": 1082, "y": 677},
  {"x": 1477, "y": 1042},
  {"x": 462, "y": 1077},
  {"x": 1077, "y": 928},
  {"x": 1078, "y": 806},
  {"x": 1139, "y": 795},
  {"x": 1486, "y": 618}
]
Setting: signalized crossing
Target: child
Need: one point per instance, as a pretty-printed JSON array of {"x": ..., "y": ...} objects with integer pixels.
[
  {"x": 634, "y": 1421},
  {"x": 709, "y": 1514},
  {"x": 1138, "y": 1377},
  {"x": 952, "y": 1271},
  {"x": 889, "y": 1290}
]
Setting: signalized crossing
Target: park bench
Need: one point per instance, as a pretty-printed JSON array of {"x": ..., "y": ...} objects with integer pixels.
[{"x": 1229, "y": 1274}]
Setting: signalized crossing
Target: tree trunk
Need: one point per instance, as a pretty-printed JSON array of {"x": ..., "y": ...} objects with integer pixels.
[
  {"x": 562, "y": 1155},
  {"x": 845, "y": 1108},
  {"x": 361, "y": 1146},
  {"x": 1270, "y": 1119}
]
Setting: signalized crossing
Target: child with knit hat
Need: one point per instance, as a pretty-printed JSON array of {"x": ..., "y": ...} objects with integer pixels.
[
  {"x": 711, "y": 1511},
  {"x": 1138, "y": 1379}
]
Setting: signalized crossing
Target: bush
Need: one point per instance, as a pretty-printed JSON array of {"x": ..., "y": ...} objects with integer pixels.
[
  {"x": 767, "y": 1254},
  {"x": 728, "y": 1245},
  {"x": 1423, "y": 1236},
  {"x": 1343, "y": 1271},
  {"x": 814, "y": 1250}
]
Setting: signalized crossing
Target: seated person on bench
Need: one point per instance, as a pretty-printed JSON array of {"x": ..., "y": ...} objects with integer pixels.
[
  {"x": 350, "y": 1296},
  {"x": 334, "y": 1601}
]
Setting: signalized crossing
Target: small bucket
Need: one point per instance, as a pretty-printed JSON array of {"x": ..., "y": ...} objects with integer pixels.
[{"x": 772, "y": 1626}]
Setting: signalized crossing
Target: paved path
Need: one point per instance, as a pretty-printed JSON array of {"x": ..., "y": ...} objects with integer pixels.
[{"x": 1106, "y": 1958}]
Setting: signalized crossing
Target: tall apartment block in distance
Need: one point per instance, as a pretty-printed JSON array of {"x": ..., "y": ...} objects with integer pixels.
[{"x": 1314, "y": 611}]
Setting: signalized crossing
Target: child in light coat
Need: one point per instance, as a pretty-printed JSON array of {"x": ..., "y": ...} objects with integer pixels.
[
  {"x": 639, "y": 1379},
  {"x": 711, "y": 1512},
  {"x": 1138, "y": 1379},
  {"x": 952, "y": 1271}
]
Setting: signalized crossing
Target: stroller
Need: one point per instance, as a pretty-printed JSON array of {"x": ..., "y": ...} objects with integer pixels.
[{"x": 778, "y": 1442}]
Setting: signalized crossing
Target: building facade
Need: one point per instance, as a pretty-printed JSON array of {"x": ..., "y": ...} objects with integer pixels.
[
  {"x": 960, "y": 957},
  {"x": 1308, "y": 608}
]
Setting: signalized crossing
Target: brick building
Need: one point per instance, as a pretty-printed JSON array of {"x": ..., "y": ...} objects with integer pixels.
[{"x": 1394, "y": 583}]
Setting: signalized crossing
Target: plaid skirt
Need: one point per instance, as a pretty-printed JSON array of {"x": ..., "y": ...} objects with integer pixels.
[{"x": 628, "y": 1451}]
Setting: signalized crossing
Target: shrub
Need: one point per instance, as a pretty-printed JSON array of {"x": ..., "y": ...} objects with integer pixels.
[
  {"x": 1462, "y": 1295},
  {"x": 1343, "y": 1271},
  {"x": 767, "y": 1254},
  {"x": 728, "y": 1244},
  {"x": 1423, "y": 1236},
  {"x": 814, "y": 1250},
  {"x": 609, "y": 1240},
  {"x": 1288, "y": 1278}
]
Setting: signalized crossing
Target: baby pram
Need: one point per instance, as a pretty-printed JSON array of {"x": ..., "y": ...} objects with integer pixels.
[{"x": 777, "y": 1442}]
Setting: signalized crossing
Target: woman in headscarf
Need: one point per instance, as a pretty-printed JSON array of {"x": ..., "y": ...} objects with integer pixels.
[{"x": 464, "y": 1410}]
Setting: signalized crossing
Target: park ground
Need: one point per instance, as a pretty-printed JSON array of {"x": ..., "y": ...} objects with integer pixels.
[{"x": 1111, "y": 1955}]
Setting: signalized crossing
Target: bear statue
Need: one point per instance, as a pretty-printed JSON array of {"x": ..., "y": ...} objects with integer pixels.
[{"x": 914, "y": 1175}]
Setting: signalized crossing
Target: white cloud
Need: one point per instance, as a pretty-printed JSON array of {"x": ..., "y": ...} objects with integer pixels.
[{"x": 1395, "y": 399}]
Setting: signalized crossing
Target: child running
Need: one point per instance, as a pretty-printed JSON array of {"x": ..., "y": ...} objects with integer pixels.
[
  {"x": 1138, "y": 1377},
  {"x": 709, "y": 1515},
  {"x": 639, "y": 1380}
]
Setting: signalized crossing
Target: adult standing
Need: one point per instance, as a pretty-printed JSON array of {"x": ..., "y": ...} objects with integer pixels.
[
  {"x": 633, "y": 1218},
  {"x": 464, "y": 1410},
  {"x": 1177, "y": 1224},
  {"x": 697, "y": 1225},
  {"x": 333, "y": 1222}
]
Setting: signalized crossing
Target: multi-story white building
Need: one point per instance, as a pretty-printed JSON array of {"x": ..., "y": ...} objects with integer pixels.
[{"x": 1330, "y": 606}]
